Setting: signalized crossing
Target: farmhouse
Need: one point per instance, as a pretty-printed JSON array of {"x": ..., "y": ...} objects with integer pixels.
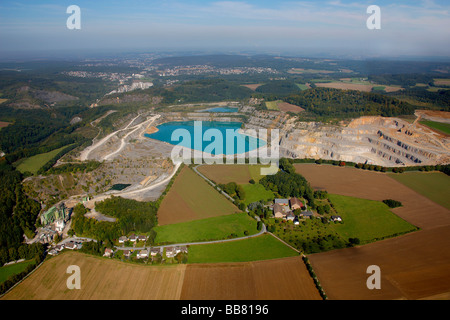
[
  {"x": 296, "y": 204},
  {"x": 278, "y": 211},
  {"x": 282, "y": 202},
  {"x": 290, "y": 216}
]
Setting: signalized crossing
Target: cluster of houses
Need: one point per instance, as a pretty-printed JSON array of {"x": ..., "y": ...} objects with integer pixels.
[
  {"x": 146, "y": 253},
  {"x": 71, "y": 245},
  {"x": 283, "y": 208},
  {"x": 132, "y": 238}
]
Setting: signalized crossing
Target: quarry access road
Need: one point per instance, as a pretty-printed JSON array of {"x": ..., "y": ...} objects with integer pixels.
[{"x": 85, "y": 153}]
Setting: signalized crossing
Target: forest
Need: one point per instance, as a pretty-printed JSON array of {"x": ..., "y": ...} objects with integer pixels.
[
  {"x": 279, "y": 88},
  {"x": 213, "y": 90},
  {"x": 132, "y": 216},
  {"x": 18, "y": 213},
  {"x": 286, "y": 183},
  {"x": 327, "y": 102}
]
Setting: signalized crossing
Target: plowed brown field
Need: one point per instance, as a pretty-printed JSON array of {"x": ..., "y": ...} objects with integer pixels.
[
  {"x": 192, "y": 198},
  {"x": 413, "y": 266},
  {"x": 280, "y": 279},
  {"x": 104, "y": 279}
]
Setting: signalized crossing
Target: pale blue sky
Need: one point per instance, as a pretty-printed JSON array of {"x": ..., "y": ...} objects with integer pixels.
[{"x": 416, "y": 28}]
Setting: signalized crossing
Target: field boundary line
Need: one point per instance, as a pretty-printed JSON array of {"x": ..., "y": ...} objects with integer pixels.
[
  {"x": 287, "y": 244},
  {"x": 20, "y": 281}
]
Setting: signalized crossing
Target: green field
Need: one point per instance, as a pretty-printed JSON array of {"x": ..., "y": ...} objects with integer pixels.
[
  {"x": 272, "y": 105},
  {"x": 367, "y": 220},
  {"x": 34, "y": 163},
  {"x": 255, "y": 171},
  {"x": 302, "y": 86},
  {"x": 256, "y": 192},
  {"x": 216, "y": 228},
  {"x": 439, "y": 126},
  {"x": 433, "y": 185},
  {"x": 7, "y": 271},
  {"x": 264, "y": 247}
]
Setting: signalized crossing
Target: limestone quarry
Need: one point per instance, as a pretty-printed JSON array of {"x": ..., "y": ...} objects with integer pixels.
[{"x": 389, "y": 142}]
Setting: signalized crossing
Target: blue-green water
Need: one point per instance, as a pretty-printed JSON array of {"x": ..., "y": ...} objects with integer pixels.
[
  {"x": 213, "y": 137},
  {"x": 220, "y": 110}
]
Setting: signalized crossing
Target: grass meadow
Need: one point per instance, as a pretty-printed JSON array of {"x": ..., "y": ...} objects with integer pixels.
[
  {"x": 367, "y": 220},
  {"x": 272, "y": 105},
  {"x": 15, "y": 268},
  {"x": 439, "y": 126},
  {"x": 256, "y": 192},
  {"x": 34, "y": 163},
  {"x": 215, "y": 228},
  {"x": 263, "y": 247},
  {"x": 433, "y": 185}
]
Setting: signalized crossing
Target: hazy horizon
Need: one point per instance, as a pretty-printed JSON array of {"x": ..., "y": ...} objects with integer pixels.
[{"x": 324, "y": 28}]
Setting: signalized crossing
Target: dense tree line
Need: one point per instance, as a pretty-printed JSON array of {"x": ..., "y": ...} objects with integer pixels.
[
  {"x": 35, "y": 251},
  {"x": 89, "y": 227},
  {"x": 288, "y": 185},
  {"x": 404, "y": 80},
  {"x": 18, "y": 213},
  {"x": 131, "y": 216},
  {"x": 53, "y": 160},
  {"x": 96, "y": 248},
  {"x": 326, "y": 102},
  {"x": 30, "y": 129},
  {"x": 202, "y": 91},
  {"x": 233, "y": 189},
  {"x": 84, "y": 167},
  {"x": 279, "y": 88},
  {"x": 439, "y": 99}
]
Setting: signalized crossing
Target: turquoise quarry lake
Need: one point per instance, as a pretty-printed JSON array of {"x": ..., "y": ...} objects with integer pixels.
[
  {"x": 220, "y": 110},
  {"x": 213, "y": 137}
]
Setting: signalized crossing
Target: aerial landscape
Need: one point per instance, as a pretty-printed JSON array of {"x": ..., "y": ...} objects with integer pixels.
[{"x": 225, "y": 151}]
